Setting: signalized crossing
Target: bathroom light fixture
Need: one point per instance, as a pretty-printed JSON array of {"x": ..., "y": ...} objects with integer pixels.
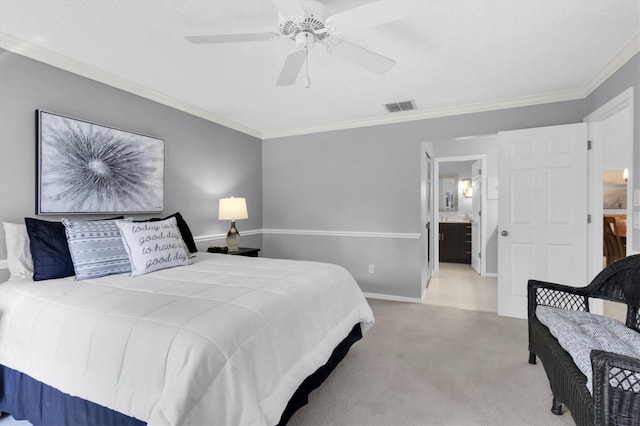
[
  {"x": 232, "y": 209},
  {"x": 465, "y": 185}
]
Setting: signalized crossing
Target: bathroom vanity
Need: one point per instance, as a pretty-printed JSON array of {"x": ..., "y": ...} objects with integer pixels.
[{"x": 455, "y": 241}]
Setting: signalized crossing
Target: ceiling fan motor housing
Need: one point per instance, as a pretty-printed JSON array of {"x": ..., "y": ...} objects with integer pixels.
[{"x": 292, "y": 26}]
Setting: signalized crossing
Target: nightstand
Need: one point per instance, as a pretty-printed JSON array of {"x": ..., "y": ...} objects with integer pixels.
[{"x": 243, "y": 251}]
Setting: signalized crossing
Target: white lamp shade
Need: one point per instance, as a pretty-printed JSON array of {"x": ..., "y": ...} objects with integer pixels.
[{"x": 232, "y": 209}]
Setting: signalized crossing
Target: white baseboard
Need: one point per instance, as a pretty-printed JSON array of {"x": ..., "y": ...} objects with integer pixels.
[
  {"x": 491, "y": 275},
  {"x": 392, "y": 298}
]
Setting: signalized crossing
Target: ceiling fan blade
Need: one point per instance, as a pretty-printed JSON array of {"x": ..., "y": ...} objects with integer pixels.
[
  {"x": 291, "y": 68},
  {"x": 232, "y": 38},
  {"x": 369, "y": 15},
  {"x": 360, "y": 56}
]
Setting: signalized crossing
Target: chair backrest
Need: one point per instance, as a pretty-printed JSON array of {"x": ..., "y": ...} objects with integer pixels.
[
  {"x": 620, "y": 282},
  {"x": 612, "y": 248}
]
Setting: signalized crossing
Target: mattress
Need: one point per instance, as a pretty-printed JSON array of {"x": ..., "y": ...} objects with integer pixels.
[{"x": 226, "y": 340}]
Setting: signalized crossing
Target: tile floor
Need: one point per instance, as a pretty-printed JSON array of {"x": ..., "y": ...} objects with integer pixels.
[{"x": 457, "y": 285}]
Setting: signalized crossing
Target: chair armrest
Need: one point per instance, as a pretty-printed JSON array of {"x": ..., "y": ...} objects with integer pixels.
[
  {"x": 616, "y": 388},
  {"x": 556, "y": 296}
]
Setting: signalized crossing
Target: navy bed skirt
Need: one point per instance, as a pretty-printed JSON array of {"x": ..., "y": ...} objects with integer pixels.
[
  {"x": 25, "y": 398},
  {"x": 28, "y": 399}
]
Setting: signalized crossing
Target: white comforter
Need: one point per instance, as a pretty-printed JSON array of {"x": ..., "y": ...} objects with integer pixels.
[{"x": 226, "y": 340}]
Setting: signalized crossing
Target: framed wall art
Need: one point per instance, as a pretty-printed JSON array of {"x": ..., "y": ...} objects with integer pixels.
[
  {"x": 448, "y": 189},
  {"x": 88, "y": 168}
]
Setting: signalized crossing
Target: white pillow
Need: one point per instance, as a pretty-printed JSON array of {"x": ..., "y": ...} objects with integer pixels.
[
  {"x": 153, "y": 245},
  {"x": 18, "y": 253}
]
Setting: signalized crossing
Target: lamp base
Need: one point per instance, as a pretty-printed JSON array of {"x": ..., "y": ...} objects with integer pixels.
[{"x": 233, "y": 238}]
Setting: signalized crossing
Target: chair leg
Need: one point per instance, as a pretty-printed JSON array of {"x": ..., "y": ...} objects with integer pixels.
[
  {"x": 556, "y": 407},
  {"x": 532, "y": 358}
]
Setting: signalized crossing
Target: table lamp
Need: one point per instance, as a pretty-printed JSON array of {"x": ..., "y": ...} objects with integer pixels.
[{"x": 232, "y": 209}]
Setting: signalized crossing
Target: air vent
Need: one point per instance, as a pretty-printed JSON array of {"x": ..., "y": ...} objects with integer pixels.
[{"x": 400, "y": 106}]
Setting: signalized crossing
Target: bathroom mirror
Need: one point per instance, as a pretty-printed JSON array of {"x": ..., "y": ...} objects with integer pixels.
[{"x": 448, "y": 189}]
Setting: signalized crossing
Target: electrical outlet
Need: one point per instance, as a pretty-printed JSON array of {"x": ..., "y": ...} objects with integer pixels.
[{"x": 371, "y": 268}]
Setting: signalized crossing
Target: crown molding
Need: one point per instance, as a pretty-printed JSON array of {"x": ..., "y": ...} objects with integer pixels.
[
  {"x": 41, "y": 54},
  {"x": 630, "y": 49},
  {"x": 614, "y": 64},
  {"x": 545, "y": 98},
  {"x": 49, "y": 57}
]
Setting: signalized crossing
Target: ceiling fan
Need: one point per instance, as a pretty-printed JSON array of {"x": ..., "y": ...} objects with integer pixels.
[{"x": 304, "y": 25}]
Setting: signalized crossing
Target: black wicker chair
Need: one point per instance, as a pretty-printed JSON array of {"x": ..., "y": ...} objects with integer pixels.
[{"x": 616, "y": 384}]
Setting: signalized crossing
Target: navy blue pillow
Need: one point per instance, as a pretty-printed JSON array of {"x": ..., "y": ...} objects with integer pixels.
[
  {"x": 187, "y": 236},
  {"x": 49, "y": 249}
]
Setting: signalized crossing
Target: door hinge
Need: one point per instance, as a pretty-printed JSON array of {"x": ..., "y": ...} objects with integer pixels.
[
  {"x": 479, "y": 171},
  {"x": 479, "y": 213},
  {"x": 480, "y": 255},
  {"x": 588, "y": 218},
  {"x": 588, "y": 144}
]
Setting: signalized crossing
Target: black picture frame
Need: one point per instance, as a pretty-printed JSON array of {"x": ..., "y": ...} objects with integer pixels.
[{"x": 88, "y": 168}]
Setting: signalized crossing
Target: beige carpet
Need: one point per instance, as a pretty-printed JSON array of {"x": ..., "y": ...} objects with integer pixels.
[{"x": 433, "y": 365}]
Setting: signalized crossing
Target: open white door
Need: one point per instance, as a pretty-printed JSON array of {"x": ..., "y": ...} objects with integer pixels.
[
  {"x": 476, "y": 205},
  {"x": 542, "y": 177},
  {"x": 428, "y": 214}
]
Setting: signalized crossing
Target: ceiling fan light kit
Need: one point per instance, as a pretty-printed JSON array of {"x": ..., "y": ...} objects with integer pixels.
[{"x": 306, "y": 29}]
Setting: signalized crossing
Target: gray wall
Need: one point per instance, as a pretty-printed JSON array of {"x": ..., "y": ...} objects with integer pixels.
[
  {"x": 368, "y": 179},
  {"x": 204, "y": 161}
]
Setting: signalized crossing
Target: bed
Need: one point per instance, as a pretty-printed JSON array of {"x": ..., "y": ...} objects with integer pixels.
[{"x": 224, "y": 340}]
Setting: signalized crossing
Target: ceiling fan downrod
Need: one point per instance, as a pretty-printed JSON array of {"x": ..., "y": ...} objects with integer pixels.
[{"x": 304, "y": 37}]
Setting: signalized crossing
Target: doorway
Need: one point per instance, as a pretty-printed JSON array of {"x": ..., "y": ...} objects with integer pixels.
[
  {"x": 427, "y": 203},
  {"x": 611, "y": 136},
  {"x": 459, "y": 200},
  {"x": 610, "y": 129}
]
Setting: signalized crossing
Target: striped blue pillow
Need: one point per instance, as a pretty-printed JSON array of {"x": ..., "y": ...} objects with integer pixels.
[{"x": 96, "y": 248}]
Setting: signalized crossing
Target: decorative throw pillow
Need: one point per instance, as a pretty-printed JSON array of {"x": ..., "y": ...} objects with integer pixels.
[
  {"x": 153, "y": 245},
  {"x": 187, "y": 236},
  {"x": 19, "y": 257},
  {"x": 96, "y": 248},
  {"x": 49, "y": 249}
]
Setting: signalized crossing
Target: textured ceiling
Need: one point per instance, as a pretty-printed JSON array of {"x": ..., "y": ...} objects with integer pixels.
[{"x": 451, "y": 56}]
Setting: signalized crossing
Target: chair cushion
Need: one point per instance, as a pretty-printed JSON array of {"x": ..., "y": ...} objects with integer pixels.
[{"x": 580, "y": 332}]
